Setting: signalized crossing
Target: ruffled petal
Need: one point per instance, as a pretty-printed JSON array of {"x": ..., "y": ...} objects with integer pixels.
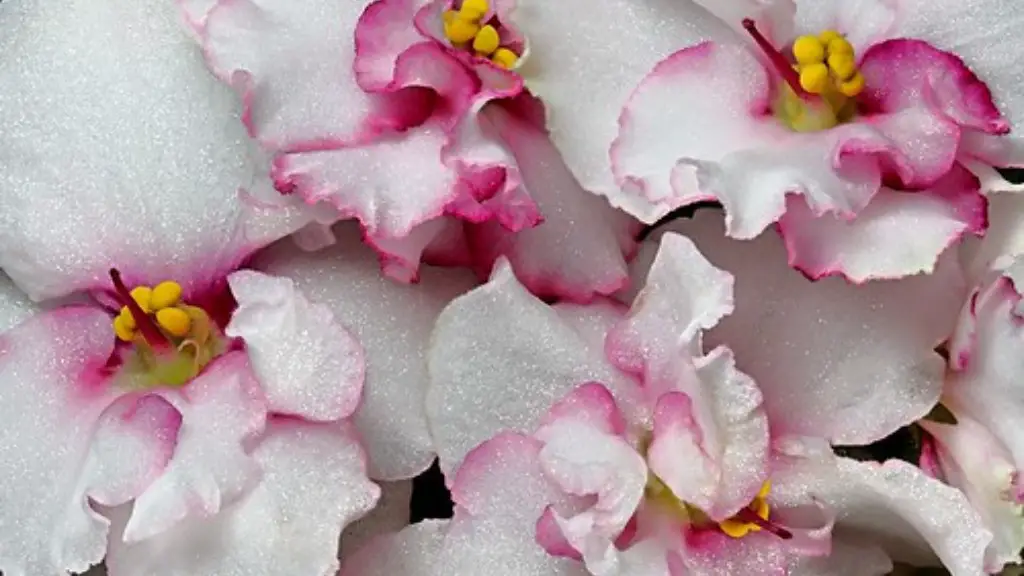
[
  {"x": 821, "y": 375},
  {"x": 308, "y": 364},
  {"x": 980, "y": 35},
  {"x": 898, "y": 234},
  {"x": 385, "y": 30},
  {"x": 724, "y": 144},
  {"x": 846, "y": 559},
  {"x": 914, "y": 517},
  {"x": 67, "y": 444},
  {"x": 390, "y": 515},
  {"x": 412, "y": 551},
  {"x": 195, "y": 12},
  {"x": 585, "y": 77},
  {"x": 582, "y": 456},
  {"x": 480, "y": 383},
  {"x": 392, "y": 322},
  {"x": 712, "y": 553},
  {"x": 137, "y": 163},
  {"x": 1003, "y": 241},
  {"x": 683, "y": 295},
  {"x": 987, "y": 386},
  {"x": 314, "y": 483},
  {"x": 221, "y": 410},
  {"x": 579, "y": 249},
  {"x": 973, "y": 461},
  {"x": 15, "y": 305}
]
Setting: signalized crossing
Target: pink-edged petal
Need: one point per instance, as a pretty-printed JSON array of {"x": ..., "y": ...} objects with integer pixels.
[
  {"x": 137, "y": 163},
  {"x": 313, "y": 484},
  {"x": 385, "y": 30},
  {"x": 987, "y": 386},
  {"x": 915, "y": 518},
  {"x": 822, "y": 375},
  {"x": 292, "y": 64},
  {"x": 15, "y": 305},
  {"x": 583, "y": 128},
  {"x": 580, "y": 247},
  {"x": 221, "y": 410},
  {"x": 710, "y": 442},
  {"x": 400, "y": 257},
  {"x": 721, "y": 142},
  {"x": 683, "y": 295},
  {"x": 65, "y": 443},
  {"x": 969, "y": 32},
  {"x": 390, "y": 515},
  {"x": 898, "y": 234},
  {"x": 846, "y": 559},
  {"x": 584, "y": 459},
  {"x": 500, "y": 491},
  {"x": 591, "y": 405},
  {"x": 480, "y": 383},
  {"x": 1003, "y": 241},
  {"x": 862, "y": 22},
  {"x": 392, "y": 322},
  {"x": 194, "y": 13},
  {"x": 975, "y": 462},
  {"x": 412, "y": 551},
  {"x": 307, "y": 363}
]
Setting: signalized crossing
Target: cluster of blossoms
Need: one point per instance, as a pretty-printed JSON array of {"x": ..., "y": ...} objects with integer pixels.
[{"x": 665, "y": 287}]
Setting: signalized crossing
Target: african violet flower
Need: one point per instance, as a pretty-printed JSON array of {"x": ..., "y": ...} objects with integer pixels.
[
  {"x": 670, "y": 459},
  {"x": 683, "y": 106},
  {"x": 369, "y": 108}
]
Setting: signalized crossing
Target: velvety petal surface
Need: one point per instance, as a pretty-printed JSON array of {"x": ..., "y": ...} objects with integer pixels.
[
  {"x": 390, "y": 515},
  {"x": 392, "y": 322},
  {"x": 584, "y": 73},
  {"x": 137, "y": 163},
  {"x": 499, "y": 358},
  {"x": 15, "y": 305},
  {"x": 221, "y": 410},
  {"x": 579, "y": 249},
  {"x": 314, "y": 483},
  {"x": 307, "y": 363},
  {"x": 822, "y": 375},
  {"x": 63, "y": 446},
  {"x": 898, "y": 234},
  {"x": 412, "y": 551}
]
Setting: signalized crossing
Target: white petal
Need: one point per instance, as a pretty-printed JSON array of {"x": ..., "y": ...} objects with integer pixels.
[
  {"x": 15, "y": 305},
  {"x": 119, "y": 149},
  {"x": 308, "y": 364},
  {"x": 314, "y": 484},
  {"x": 221, "y": 410},
  {"x": 390, "y": 515},
  {"x": 392, "y": 322},
  {"x": 499, "y": 358},
  {"x": 410, "y": 552}
]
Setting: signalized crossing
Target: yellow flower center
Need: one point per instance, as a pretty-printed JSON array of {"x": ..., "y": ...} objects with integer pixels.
[
  {"x": 737, "y": 527},
  {"x": 827, "y": 68},
  {"x": 192, "y": 338},
  {"x": 466, "y": 28}
]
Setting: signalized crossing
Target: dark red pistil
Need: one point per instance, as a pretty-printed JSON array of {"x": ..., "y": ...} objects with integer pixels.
[
  {"x": 779, "y": 61},
  {"x": 749, "y": 516},
  {"x": 143, "y": 322}
]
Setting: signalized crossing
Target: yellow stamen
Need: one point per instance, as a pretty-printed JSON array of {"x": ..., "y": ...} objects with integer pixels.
[
  {"x": 738, "y": 528},
  {"x": 175, "y": 321},
  {"x": 486, "y": 41},
  {"x": 808, "y": 50},
  {"x": 459, "y": 29},
  {"x": 504, "y": 58},
  {"x": 814, "y": 78},
  {"x": 828, "y": 36},
  {"x": 853, "y": 86},
  {"x": 842, "y": 65},
  {"x": 127, "y": 319},
  {"x": 142, "y": 295},
  {"x": 165, "y": 295},
  {"x": 840, "y": 45},
  {"x": 474, "y": 9},
  {"x": 123, "y": 332}
]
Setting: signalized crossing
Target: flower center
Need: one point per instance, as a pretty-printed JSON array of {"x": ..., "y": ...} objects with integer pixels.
[
  {"x": 753, "y": 518},
  {"x": 171, "y": 341},
  {"x": 822, "y": 80},
  {"x": 467, "y": 28}
]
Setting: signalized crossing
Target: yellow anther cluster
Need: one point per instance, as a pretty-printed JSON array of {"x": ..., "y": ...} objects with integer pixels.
[
  {"x": 163, "y": 301},
  {"x": 738, "y": 528},
  {"x": 827, "y": 65},
  {"x": 465, "y": 27}
]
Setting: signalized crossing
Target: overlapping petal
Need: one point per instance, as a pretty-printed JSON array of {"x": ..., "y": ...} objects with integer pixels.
[
  {"x": 308, "y": 365},
  {"x": 500, "y": 357},
  {"x": 314, "y": 483},
  {"x": 390, "y": 515},
  {"x": 898, "y": 234},
  {"x": 138, "y": 162},
  {"x": 221, "y": 410},
  {"x": 392, "y": 322},
  {"x": 823, "y": 375},
  {"x": 15, "y": 305}
]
